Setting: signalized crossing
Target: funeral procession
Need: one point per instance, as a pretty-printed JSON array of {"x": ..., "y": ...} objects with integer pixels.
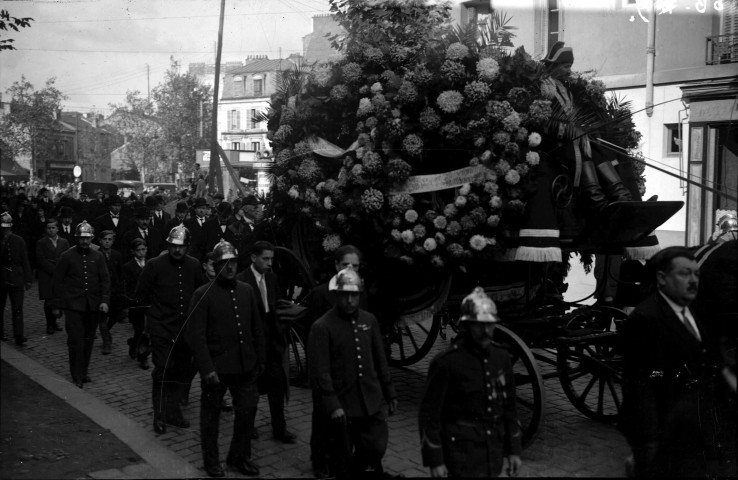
[{"x": 368, "y": 239}]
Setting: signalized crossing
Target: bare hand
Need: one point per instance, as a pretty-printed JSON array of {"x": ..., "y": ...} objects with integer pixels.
[
  {"x": 514, "y": 464},
  {"x": 212, "y": 378},
  {"x": 439, "y": 471},
  {"x": 104, "y": 307},
  {"x": 392, "y": 406},
  {"x": 340, "y": 415}
]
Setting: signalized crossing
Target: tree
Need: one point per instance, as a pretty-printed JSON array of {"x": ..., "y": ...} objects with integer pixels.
[
  {"x": 144, "y": 136},
  {"x": 184, "y": 111},
  {"x": 8, "y": 22},
  {"x": 27, "y": 129}
]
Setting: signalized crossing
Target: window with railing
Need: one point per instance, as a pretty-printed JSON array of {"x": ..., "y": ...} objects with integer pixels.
[{"x": 722, "y": 49}]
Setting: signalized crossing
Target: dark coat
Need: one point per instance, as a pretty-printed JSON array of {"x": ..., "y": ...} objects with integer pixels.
[
  {"x": 197, "y": 238},
  {"x": 161, "y": 224},
  {"x": 81, "y": 281},
  {"x": 131, "y": 273},
  {"x": 348, "y": 365},
  {"x": 168, "y": 287},
  {"x": 224, "y": 330},
  {"x": 154, "y": 243},
  {"x": 275, "y": 330},
  {"x": 115, "y": 268},
  {"x": 105, "y": 222},
  {"x": 16, "y": 268},
  {"x": 69, "y": 237},
  {"x": 671, "y": 415},
  {"x": 47, "y": 256},
  {"x": 468, "y": 422}
]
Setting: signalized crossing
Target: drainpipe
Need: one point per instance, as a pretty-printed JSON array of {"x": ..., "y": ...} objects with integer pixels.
[{"x": 650, "y": 58}]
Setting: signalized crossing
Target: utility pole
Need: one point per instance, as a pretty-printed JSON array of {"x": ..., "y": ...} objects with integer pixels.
[
  {"x": 215, "y": 173},
  {"x": 148, "y": 87}
]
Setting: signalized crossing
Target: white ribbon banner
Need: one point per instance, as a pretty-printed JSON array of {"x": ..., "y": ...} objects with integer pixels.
[
  {"x": 442, "y": 181},
  {"x": 324, "y": 148}
]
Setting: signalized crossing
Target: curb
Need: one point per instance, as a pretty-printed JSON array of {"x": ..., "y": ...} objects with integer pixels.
[{"x": 160, "y": 461}]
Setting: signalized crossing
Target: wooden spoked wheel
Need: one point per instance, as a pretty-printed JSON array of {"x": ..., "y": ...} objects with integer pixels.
[{"x": 409, "y": 341}]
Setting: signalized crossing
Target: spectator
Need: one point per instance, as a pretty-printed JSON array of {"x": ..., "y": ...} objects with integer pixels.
[{"x": 48, "y": 250}]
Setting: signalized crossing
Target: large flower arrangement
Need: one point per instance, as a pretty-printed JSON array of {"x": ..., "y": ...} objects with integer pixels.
[{"x": 420, "y": 99}]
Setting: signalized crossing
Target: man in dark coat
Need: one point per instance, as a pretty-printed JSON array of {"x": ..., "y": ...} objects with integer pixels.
[
  {"x": 348, "y": 367},
  {"x": 180, "y": 215},
  {"x": 159, "y": 218},
  {"x": 67, "y": 226},
  {"x": 216, "y": 227},
  {"x": 113, "y": 220},
  {"x": 48, "y": 250},
  {"x": 114, "y": 262},
  {"x": 275, "y": 379},
  {"x": 141, "y": 229},
  {"x": 676, "y": 414},
  {"x": 81, "y": 287},
  {"x": 168, "y": 282},
  {"x": 15, "y": 276},
  {"x": 467, "y": 417},
  {"x": 196, "y": 227},
  {"x": 225, "y": 334}
]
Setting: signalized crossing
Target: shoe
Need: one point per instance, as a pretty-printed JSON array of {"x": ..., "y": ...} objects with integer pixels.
[
  {"x": 50, "y": 330},
  {"x": 226, "y": 406},
  {"x": 143, "y": 364},
  {"x": 159, "y": 426},
  {"x": 286, "y": 437},
  {"x": 86, "y": 379},
  {"x": 255, "y": 434},
  {"x": 79, "y": 384},
  {"x": 179, "y": 423},
  {"x": 244, "y": 466},
  {"x": 20, "y": 340},
  {"x": 216, "y": 471},
  {"x": 58, "y": 328},
  {"x": 106, "y": 349}
]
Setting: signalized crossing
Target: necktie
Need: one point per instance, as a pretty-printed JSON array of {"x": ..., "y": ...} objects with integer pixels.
[
  {"x": 689, "y": 326},
  {"x": 143, "y": 234},
  {"x": 263, "y": 290}
]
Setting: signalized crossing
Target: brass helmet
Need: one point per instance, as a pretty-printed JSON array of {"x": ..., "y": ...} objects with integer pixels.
[
  {"x": 6, "y": 220},
  {"x": 179, "y": 235},
  {"x": 224, "y": 251},
  {"x": 84, "y": 229},
  {"x": 347, "y": 280},
  {"x": 728, "y": 223},
  {"x": 478, "y": 307}
]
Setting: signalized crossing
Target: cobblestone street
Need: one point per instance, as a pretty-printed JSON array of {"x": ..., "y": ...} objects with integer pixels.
[{"x": 569, "y": 444}]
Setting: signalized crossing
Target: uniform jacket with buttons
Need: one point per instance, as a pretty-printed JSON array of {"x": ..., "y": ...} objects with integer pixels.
[
  {"x": 16, "y": 269},
  {"x": 168, "y": 286},
  {"x": 467, "y": 416},
  {"x": 348, "y": 365},
  {"x": 224, "y": 330},
  {"x": 47, "y": 256},
  {"x": 81, "y": 280}
]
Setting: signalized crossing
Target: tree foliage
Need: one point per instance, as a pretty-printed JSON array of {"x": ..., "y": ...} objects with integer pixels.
[
  {"x": 8, "y": 22},
  {"x": 25, "y": 130}
]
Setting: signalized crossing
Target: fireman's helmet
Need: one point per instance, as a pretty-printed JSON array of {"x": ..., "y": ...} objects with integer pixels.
[
  {"x": 347, "y": 280},
  {"x": 84, "y": 229},
  {"x": 728, "y": 223},
  {"x": 6, "y": 220},
  {"x": 478, "y": 307},
  {"x": 224, "y": 251},
  {"x": 179, "y": 235}
]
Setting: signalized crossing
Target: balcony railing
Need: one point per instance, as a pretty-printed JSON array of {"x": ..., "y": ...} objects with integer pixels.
[{"x": 722, "y": 49}]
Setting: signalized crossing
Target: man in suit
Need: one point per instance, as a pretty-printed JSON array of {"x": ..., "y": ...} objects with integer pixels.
[
  {"x": 67, "y": 226},
  {"x": 48, "y": 250},
  {"x": 225, "y": 333},
  {"x": 196, "y": 227},
  {"x": 81, "y": 287},
  {"x": 216, "y": 228},
  {"x": 676, "y": 411},
  {"x": 275, "y": 379},
  {"x": 143, "y": 230},
  {"x": 15, "y": 276},
  {"x": 180, "y": 215},
  {"x": 159, "y": 218},
  {"x": 113, "y": 220}
]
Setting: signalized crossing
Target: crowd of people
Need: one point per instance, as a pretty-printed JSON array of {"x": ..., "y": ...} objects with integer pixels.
[{"x": 200, "y": 292}]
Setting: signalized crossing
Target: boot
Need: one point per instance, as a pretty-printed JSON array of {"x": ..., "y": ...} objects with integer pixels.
[
  {"x": 593, "y": 195},
  {"x": 612, "y": 183},
  {"x": 157, "y": 397}
]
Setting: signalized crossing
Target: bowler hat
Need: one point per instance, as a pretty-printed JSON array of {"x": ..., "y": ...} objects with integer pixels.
[
  {"x": 151, "y": 202},
  {"x": 114, "y": 199},
  {"x": 200, "y": 202},
  {"x": 140, "y": 211},
  {"x": 219, "y": 195},
  {"x": 181, "y": 207},
  {"x": 250, "y": 200},
  {"x": 224, "y": 208}
]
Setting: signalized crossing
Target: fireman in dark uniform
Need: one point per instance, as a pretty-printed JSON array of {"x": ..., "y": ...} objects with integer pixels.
[
  {"x": 15, "y": 275},
  {"x": 348, "y": 367},
  {"x": 167, "y": 284},
  {"x": 468, "y": 421},
  {"x": 81, "y": 286},
  {"x": 225, "y": 333}
]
